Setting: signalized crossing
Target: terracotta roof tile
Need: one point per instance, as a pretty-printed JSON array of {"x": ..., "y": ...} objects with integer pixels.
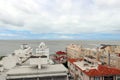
[
  {"x": 72, "y": 60},
  {"x": 102, "y": 71},
  {"x": 60, "y": 53}
]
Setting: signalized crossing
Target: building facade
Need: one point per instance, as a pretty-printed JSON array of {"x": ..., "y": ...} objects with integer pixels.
[
  {"x": 48, "y": 72},
  {"x": 110, "y": 55},
  {"x": 74, "y": 51},
  {"x": 107, "y": 54},
  {"x": 87, "y": 70}
]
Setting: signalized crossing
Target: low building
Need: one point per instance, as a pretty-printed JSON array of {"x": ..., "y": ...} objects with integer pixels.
[
  {"x": 87, "y": 70},
  {"x": 24, "y": 52},
  {"x": 38, "y": 67},
  {"x": 47, "y": 72},
  {"x": 42, "y": 50},
  {"x": 34, "y": 67},
  {"x": 60, "y": 57}
]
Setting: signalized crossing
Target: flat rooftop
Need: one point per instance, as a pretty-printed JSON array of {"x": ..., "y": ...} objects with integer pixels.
[
  {"x": 83, "y": 65},
  {"x": 28, "y": 71},
  {"x": 96, "y": 70}
]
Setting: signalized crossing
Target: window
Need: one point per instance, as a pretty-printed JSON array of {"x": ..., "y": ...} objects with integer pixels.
[
  {"x": 76, "y": 69},
  {"x": 118, "y": 77},
  {"x": 108, "y": 77},
  {"x": 43, "y": 56},
  {"x": 79, "y": 78},
  {"x": 81, "y": 74},
  {"x": 97, "y": 78}
]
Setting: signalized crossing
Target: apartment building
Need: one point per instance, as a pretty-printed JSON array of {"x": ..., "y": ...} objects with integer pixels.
[
  {"x": 74, "y": 51},
  {"x": 106, "y": 54},
  {"x": 110, "y": 55},
  {"x": 88, "y": 70}
]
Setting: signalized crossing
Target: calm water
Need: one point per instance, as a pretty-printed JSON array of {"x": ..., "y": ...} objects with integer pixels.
[{"x": 8, "y": 46}]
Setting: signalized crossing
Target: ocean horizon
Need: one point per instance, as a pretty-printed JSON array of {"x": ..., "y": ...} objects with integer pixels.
[{"x": 8, "y": 46}]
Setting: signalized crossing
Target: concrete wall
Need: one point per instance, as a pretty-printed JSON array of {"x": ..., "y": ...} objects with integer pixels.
[{"x": 44, "y": 78}]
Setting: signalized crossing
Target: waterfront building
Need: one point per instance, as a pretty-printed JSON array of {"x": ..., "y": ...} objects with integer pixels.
[
  {"x": 18, "y": 57},
  {"x": 60, "y": 57},
  {"x": 42, "y": 50},
  {"x": 106, "y": 54},
  {"x": 87, "y": 70},
  {"x": 30, "y": 72},
  {"x": 110, "y": 55},
  {"x": 24, "y": 52},
  {"x": 36, "y": 66},
  {"x": 74, "y": 51}
]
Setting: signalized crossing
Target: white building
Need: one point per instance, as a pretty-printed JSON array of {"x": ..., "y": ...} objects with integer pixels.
[
  {"x": 42, "y": 50},
  {"x": 24, "y": 51},
  {"x": 32, "y": 66},
  {"x": 9, "y": 62},
  {"x": 50, "y": 72}
]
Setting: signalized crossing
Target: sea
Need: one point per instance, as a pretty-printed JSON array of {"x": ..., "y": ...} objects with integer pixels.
[{"x": 8, "y": 46}]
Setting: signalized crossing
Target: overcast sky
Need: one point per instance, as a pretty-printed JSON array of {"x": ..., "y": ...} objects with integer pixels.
[{"x": 60, "y": 19}]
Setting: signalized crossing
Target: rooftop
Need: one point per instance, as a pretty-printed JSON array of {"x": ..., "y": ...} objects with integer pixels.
[
  {"x": 72, "y": 60},
  {"x": 102, "y": 71},
  {"x": 60, "y": 53},
  {"x": 96, "y": 69},
  {"x": 28, "y": 71},
  {"x": 83, "y": 65}
]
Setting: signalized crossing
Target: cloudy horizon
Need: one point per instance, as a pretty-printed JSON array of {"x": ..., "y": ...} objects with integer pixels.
[{"x": 60, "y": 19}]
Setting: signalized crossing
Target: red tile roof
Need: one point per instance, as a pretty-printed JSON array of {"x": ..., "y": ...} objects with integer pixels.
[
  {"x": 71, "y": 60},
  {"x": 102, "y": 71},
  {"x": 60, "y": 53},
  {"x": 119, "y": 55},
  {"x": 58, "y": 58}
]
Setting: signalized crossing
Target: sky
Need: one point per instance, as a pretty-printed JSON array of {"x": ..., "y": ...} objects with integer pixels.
[{"x": 60, "y": 19}]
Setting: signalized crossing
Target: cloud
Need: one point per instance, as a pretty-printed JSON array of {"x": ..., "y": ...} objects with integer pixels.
[
  {"x": 66, "y": 37},
  {"x": 57, "y": 16},
  {"x": 8, "y": 35},
  {"x": 25, "y": 35}
]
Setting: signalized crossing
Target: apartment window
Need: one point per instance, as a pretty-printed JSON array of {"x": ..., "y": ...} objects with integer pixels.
[
  {"x": 108, "y": 77},
  {"x": 69, "y": 63},
  {"x": 76, "y": 69},
  {"x": 81, "y": 74},
  {"x": 97, "y": 78},
  {"x": 118, "y": 77}
]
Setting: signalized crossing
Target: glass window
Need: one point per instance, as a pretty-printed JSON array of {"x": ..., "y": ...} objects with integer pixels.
[
  {"x": 108, "y": 77},
  {"x": 118, "y": 78},
  {"x": 97, "y": 78},
  {"x": 81, "y": 74}
]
